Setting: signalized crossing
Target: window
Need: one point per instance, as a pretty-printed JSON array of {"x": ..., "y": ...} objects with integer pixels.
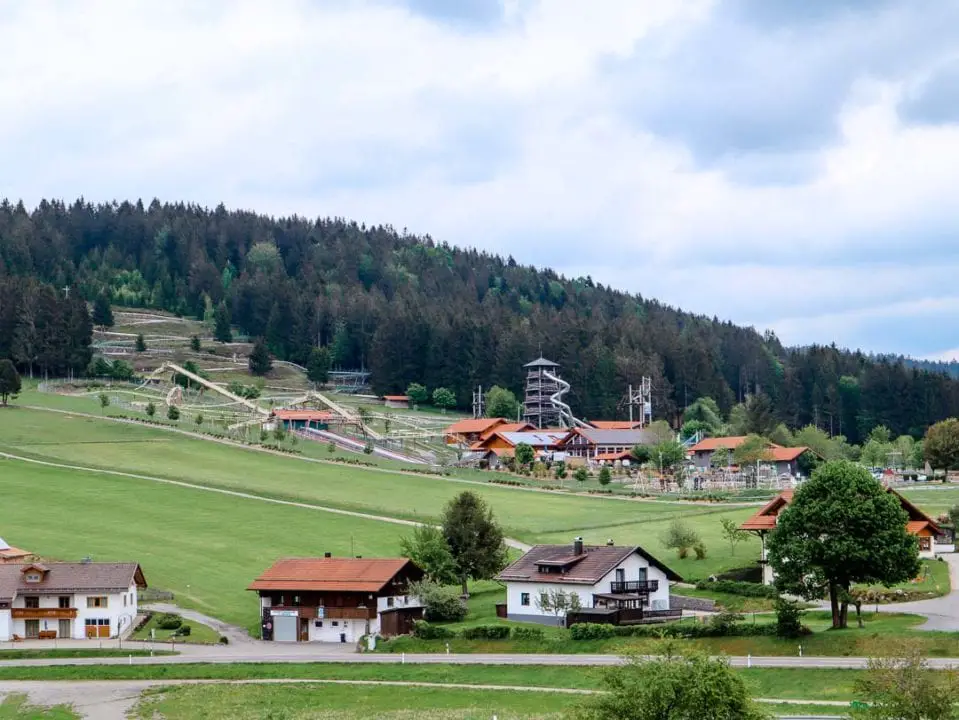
[
  {"x": 925, "y": 543},
  {"x": 97, "y": 601},
  {"x": 524, "y": 599},
  {"x": 124, "y": 601},
  {"x": 63, "y": 602},
  {"x": 33, "y": 577},
  {"x": 318, "y": 623},
  {"x": 296, "y": 601},
  {"x": 389, "y": 602},
  {"x": 335, "y": 623},
  {"x": 94, "y": 622},
  {"x": 31, "y": 601}
]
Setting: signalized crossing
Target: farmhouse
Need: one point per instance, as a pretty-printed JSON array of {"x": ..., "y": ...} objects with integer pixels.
[
  {"x": 471, "y": 431},
  {"x": 590, "y": 444},
  {"x": 397, "y": 402},
  {"x": 918, "y": 524},
  {"x": 337, "y": 599},
  {"x": 702, "y": 452},
  {"x": 498, "y": 445},
  {"x": 614, "y": 584},
  {"x": 785, "y": 460},
  {"x": 68, "y": 600},
  {"x": 10, "y": 554}
]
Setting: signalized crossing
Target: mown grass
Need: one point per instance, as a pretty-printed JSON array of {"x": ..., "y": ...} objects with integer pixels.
[
  {"x": 50, "y": 653},
  {"x": 200, "y": 634},
  {"x": 781, "y": 683},
  {"x": 17, "y": 707},
  {"x": 206, "y": 547},
  {"x": 342, "y": 702}
]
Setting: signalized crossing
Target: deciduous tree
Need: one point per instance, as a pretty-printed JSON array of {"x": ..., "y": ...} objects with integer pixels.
[
  {"x": 524, "y": 454},
  {"x": 9, "y": 381},
  {"x": 418, "y": 394},
  {"x": 502, "y": 403},
  {"x": 444, "y": 398},
  {"x": 318, "y": 366},
  {"x": 906, "y": 688},
  {"x": 733, "y": 534},
  {"x": 941, "y": 445},
  {"x": 428, "y": 549},
  {"x": 841, "y": 528},
  {"x": 474, "y": 538}
]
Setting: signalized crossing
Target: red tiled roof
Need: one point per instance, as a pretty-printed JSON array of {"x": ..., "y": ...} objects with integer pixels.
[
  {"x": 784, "y": 454},
  {"x": 397, "y": 398},
  {"x": 473, "y": 425},
  {"x": 330, "y": 574},
  {"x": 315, "y": 415},
  {"x": 765, "y": 519},
  {"x": 711, "y": 444},
  {"x": 614, "y": 424},
  {"x": 507, "y": 427},
  {"x": 613, "y": 456},
  {"x": 916, "y": 526}
]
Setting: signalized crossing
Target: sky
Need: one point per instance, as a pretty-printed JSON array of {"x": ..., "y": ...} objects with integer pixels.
[{"x": 787, "y": 165}]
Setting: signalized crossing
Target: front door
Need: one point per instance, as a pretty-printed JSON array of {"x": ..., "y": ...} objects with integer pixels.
[
  {"x": 64, "y": 630},
  {"x": 32, "y": 628},
  {"x": 620, "y": 575}
]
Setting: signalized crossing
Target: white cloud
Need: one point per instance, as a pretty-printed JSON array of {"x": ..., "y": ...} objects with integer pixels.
[{"x": 511, "y": 137}]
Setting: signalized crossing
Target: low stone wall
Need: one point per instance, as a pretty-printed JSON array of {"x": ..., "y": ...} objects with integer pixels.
[{"x": 683, "y": 602}]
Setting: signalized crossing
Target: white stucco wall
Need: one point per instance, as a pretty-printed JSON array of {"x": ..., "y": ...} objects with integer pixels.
[
  {"x": 5, "y": 631},
  {"x": 330, "y": 630},
  {"x": 658, "y": 600},
  {"x": 121, "y": 611}
]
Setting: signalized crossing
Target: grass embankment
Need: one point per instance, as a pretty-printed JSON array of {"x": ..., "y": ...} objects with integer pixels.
[
  {"x": 873, "y": 639},
  {"x": 52, "y": 653},
  {"x": 541, "y": 517},
  {"x": 17, "y": 707},
  {"x": 200, "y": 634}
]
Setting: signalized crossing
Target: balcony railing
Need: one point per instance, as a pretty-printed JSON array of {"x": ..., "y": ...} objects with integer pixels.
[
  {"x": 43, "y": 613},
  {"x": 623, "y": 587}
]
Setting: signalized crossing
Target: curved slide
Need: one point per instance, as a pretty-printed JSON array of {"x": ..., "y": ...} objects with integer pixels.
[{"x": 556, "y": 398}]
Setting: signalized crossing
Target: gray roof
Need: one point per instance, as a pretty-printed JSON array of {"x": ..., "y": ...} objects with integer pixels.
[
  {"x": 596, "y": 562},
  {"x": 619, "y": 437},
  {"x": 541, "y": 362},
  {"x": 541, "y": 438},
  {"x": 69, "y": 578}
]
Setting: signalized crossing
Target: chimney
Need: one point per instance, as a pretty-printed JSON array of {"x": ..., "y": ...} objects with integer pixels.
[
  {"x": 577, "y": 546},
  {"x": 609, "y": 543},
  {"x": 327, "y": 555}
]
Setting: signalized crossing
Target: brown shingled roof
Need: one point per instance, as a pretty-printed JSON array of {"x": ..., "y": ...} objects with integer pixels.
[
  {"x": 473, "y": 425},
  {"x": 330, "y": 574},
  {"x": 70, "y": 578},
  {"x": 597, "y": 562}
]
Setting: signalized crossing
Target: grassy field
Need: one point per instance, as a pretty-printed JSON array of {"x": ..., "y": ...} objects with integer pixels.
[
  {"x": 205, "y": 547},
  {"x": 200, "y": 634},
  {"x": 533, "y": 517},
  {"x": 16, "y": 707},
  {"x": 61, "y": 653}
]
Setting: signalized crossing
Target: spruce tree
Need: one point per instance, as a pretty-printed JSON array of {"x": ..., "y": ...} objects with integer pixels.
[
  {"x": 221, "y": 324},
  {"x": 102, "y": 312},
  {"x": 260, "y": 361}
]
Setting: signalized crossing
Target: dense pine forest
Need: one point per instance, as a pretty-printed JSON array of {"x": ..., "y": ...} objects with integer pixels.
[{"x": 414, "y": 310}]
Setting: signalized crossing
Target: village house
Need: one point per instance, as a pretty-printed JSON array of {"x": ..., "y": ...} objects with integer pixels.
[
  {"x": 702, "y": 452},
  {"x": 498, "y": 445},
  {"x": 68, "y": 600},
  {"x": 10, "y": 554},
  {"x": 337, "y": 600},
  {"x": 616, "y": 424},
  {"x": 785, "y": 460},
  {"x": 919, "y": 524},
  {"x": 602, "y": 446},
  {"x": 397, "y": 402},
  {"x": 614, "y": 584},
  {"x": 471, "y": 430}
]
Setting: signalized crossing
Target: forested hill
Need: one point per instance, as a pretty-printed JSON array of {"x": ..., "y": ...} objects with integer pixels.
[{"x": 411, "y": 309}]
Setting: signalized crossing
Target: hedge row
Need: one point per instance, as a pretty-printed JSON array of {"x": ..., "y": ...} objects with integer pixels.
[
  {"x": 427, "y": 631},
  {"x": 590, "y": 631}
]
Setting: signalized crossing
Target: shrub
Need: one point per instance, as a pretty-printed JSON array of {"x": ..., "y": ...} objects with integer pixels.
[
  {"x": 700, "y": 550},
  {"x": 224, "y": 640},
  {"x": 183, "y": 630},
  {"x": 725, "y": 623},
  {"x": 486, "y": 632},
  {"x": 173, "y": 413},
  {"x": 788, "y": 619},
  {"x": 427, "y": 631},
  {"x": 169, "y": 621},
  {"x": 440, "y": 603},
  {"x": 591, "y": 631},
  {"x": 680, "y": 537},
  {"x": 528, "y": 633}
]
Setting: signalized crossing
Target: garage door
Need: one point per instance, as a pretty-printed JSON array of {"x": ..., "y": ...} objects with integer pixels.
[{"x": 285, "y": 628}]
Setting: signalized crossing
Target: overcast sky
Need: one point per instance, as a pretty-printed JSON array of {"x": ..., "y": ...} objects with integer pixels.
[{"x": 788, "y": 164}]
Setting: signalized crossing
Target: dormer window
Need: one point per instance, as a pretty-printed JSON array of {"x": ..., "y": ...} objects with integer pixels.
[{"x": 33, "y": 577}]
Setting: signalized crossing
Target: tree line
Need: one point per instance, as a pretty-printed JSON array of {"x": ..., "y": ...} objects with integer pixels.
[{"x": 411, "y": 309}]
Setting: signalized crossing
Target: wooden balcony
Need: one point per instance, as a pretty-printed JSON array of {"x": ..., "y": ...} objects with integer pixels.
[
  {"x": 43, "y": 613},
  {"x": 347, "y": 613},
  {"x": 633, "y": 586}
]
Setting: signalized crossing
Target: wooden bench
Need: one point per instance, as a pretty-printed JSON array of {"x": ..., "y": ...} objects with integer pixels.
[{"x": 48, "y": 634}]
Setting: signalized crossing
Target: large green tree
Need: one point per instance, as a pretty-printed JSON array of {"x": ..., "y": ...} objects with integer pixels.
[
  {"x": 318, "y": 366},
  {"x": 222, "y": 332},
  {"x": 9, "y": 381},
  {"x": 941, "y": 445},
  {"x": 102, "y": 312},
  {"x": 427, "y": 547},
  {"x": 501, "y": 403},
  {"x": 474, "y": 537},
  {"x": 841, "y": 528},
  {"x": 673, "y": 687},
  {"x": 751, "y": 450},
  {"x": 260, "y": 361}
]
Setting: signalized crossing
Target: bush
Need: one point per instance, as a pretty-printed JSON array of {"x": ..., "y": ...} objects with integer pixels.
[
  {"x": 528, "y": 633},
  {"x": 591, "y": 631},
  {"x": 426, "y": 631},
  {"x": 173, "y": 413},
  {"x": 736, "y": 587},
  {"x": 788, "y": 619},
  {"x": 183, "y": 630},
  {"x": 440, "y": 603},
  {"x": 700, "y": 550},
  {"x": 725, "y": 623},
  {"x": 169, "y": 621},
  {"x": 224, "y": 640},
  {"x": 486, "y": 632}
]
